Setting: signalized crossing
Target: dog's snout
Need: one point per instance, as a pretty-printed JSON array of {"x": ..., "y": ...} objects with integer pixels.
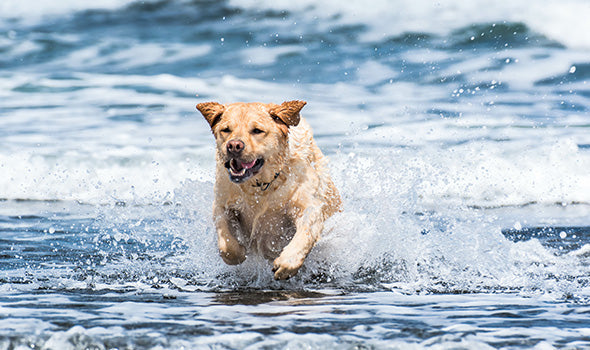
[{"x": 235, "y": 146}]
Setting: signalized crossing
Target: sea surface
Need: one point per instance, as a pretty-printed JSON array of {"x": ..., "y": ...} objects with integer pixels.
[{"x": 458, "y": 133}]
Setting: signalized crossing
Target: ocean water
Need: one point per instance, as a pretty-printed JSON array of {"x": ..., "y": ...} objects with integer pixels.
[{"x": 458, "y": 134}]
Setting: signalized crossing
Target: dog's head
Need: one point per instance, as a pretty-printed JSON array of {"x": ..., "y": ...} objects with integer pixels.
[{"x": 252, "y": 138}]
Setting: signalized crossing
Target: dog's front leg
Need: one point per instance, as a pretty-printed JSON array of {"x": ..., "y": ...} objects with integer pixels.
[
  {"x": 309, "y": 227},
  {"x": 231, "y": 251}
]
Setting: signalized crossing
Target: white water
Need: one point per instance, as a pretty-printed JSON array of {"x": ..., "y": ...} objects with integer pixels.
[
  {"x": 461, "y": 152},
  {"x": 564, "y": 21},
  {"x": 451, "y": 160}
]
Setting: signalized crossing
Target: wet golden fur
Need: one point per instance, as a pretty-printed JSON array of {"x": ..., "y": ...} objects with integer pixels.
[{"x": 279, "y": 210}]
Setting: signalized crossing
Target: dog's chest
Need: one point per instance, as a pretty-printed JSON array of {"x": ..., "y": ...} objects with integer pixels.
[{"x": 266, "y": 232}]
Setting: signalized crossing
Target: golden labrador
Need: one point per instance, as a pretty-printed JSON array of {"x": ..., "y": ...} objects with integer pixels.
[{"x": 272, "y": 189}]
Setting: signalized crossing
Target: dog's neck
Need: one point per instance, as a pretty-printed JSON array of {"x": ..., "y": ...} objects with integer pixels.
[
  {"x": 279, "y": 165},
  {"x": 265, "y": 185}
]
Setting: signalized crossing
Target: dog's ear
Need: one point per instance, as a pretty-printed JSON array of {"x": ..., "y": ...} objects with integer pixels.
[
  {"x": 288, "y": 112},
  {"x": 212, "y": 111}
]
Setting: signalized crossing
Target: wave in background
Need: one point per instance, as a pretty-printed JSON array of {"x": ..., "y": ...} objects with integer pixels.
[{"x": 562, "y": 21}]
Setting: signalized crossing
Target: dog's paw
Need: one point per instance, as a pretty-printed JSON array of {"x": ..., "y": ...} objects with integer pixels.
[
  {"x": 286, "y": 266},
  {"x": 232, "y": 254},
  {"x": 232, "y": 258},
  {"x": 230, "y": 250}
]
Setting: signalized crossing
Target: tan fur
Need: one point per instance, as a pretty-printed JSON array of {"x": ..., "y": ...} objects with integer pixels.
[{"x": 279, "y": 216}]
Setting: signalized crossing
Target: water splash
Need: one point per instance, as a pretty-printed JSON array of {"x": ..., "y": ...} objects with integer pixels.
[{"x": 385, "y": 238}]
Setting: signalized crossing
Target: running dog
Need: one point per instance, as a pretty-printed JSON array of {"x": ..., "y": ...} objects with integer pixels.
[{"x": 272, "y": 188}]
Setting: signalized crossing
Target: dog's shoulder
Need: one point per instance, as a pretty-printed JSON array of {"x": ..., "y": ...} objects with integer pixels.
[
  {"x": 304, "y": 149},
  {"x": 301, "y": 143}
]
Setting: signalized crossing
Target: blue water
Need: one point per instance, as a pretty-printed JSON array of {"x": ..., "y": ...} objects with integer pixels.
[{"x": 458, "y": 134}]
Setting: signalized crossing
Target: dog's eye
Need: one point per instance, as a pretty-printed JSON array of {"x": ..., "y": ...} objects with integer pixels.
[
  {"x": 257, "y": 131},
  {"x": 225, "y": 130}
]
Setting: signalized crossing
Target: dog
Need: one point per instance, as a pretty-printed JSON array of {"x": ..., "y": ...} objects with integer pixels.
[{"x": 273, "y": 191}]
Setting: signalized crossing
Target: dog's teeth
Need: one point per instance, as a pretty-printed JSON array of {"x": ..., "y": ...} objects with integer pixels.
[{"x": 240, "y": 173}]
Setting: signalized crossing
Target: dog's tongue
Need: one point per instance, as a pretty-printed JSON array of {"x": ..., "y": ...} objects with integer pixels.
[{"x": 248, "y": 165}]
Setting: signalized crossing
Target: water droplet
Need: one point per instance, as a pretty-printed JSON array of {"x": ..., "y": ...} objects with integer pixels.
[
  {"x": 572, "y": 69},
  {"x": 562, "y": 234},
  {"x": 51, "y": 230}
]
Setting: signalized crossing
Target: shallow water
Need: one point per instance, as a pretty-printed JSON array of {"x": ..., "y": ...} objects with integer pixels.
[{"x": 458, "y": 135}]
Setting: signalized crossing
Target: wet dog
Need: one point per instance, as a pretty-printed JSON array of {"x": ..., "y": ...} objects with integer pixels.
[{"x": 272, "y": 188}]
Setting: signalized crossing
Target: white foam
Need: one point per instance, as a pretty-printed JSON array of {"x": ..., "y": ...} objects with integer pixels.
[
  {"x": 132, "y": 55},
  {"x": 57, "y": 154},
  {"x": 564, "y": 21},
  {"x": 30, "y": 10},
  {"x": 267, "y": 55},
  {"x": 387, "y": 234}
]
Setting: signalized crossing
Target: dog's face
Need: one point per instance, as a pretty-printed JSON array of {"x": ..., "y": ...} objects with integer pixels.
[{"x": 251, "y": 138}]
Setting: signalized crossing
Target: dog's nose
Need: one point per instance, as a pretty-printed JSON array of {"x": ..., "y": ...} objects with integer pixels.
[{"x": 235, "y": 146}]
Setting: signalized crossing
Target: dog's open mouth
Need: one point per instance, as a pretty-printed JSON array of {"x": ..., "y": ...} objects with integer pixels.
[{"x": 239, "y": 171}]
